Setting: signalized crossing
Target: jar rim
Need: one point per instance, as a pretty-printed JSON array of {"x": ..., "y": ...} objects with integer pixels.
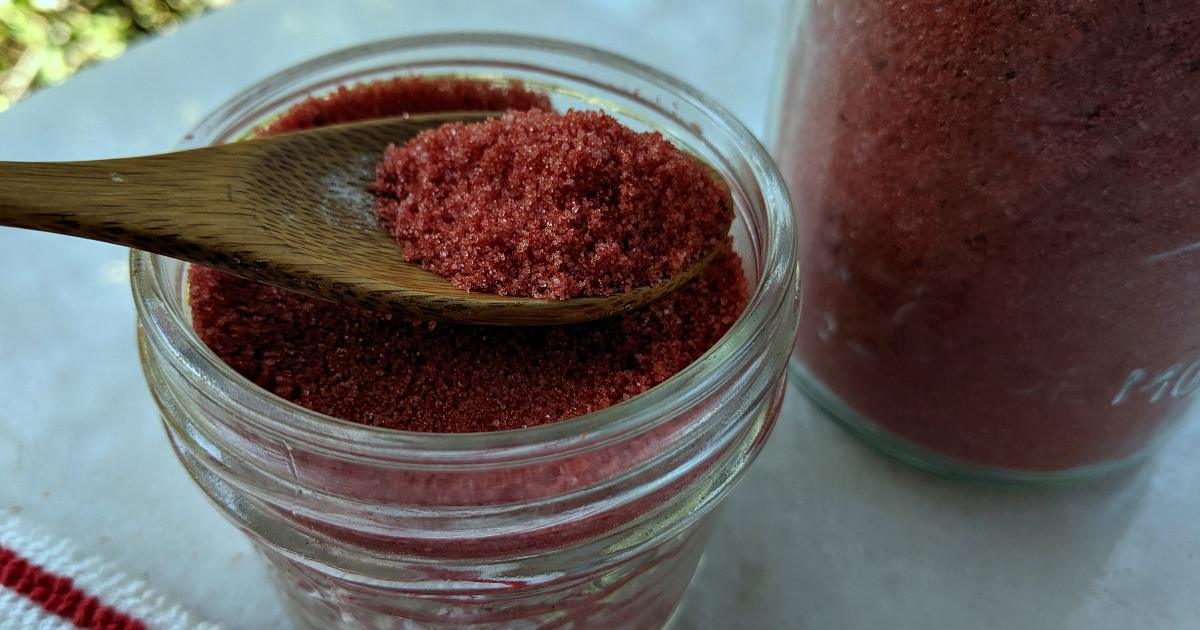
[{"x": 738, "y": 348}]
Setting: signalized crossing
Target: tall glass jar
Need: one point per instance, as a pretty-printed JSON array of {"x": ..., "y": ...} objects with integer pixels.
[
  {"x": 594, "y": 522},
  {"x": 999, "y": 212}
]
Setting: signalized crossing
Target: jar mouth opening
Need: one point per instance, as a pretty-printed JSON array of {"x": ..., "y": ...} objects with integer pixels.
[{"x": 758, "y": 191}]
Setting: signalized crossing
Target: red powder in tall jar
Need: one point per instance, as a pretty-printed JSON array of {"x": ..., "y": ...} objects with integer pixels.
[
  {"x": 549, "y": 205},
  {"x": 387, "y": 371},
  {"x": 999, "y": 214}
]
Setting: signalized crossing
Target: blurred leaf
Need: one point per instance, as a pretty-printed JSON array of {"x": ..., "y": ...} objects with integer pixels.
[{"x": 42, "y": 42}]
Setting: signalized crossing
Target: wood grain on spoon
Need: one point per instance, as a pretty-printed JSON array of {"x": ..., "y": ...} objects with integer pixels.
[{"x": 292, "y": 210}]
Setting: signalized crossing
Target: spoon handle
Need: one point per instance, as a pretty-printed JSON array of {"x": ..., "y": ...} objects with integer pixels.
[{"x": 145, "y": 202}]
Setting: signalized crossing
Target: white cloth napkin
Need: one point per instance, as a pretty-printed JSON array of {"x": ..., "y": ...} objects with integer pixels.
[{"x": 128, "y": 600}]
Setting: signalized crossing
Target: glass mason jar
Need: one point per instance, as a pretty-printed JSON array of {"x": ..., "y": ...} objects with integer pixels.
[
  {"x": 999, "y": 215},
  {"x": 594, "y": 522}
]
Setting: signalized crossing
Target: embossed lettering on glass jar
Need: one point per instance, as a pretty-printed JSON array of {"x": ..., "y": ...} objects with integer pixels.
[
  {"x": 999, "y": 218},
  {"x": 594, "y": 522}
]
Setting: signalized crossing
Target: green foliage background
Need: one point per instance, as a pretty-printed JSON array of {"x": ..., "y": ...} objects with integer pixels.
[{"x": 42, "y": 42}]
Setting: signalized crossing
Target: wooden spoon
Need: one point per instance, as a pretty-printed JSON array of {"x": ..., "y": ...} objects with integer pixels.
[{"x": 292, "y": 210}]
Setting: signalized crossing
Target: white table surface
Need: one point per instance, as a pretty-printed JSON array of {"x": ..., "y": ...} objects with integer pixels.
[{"x": 821, "y": 533}]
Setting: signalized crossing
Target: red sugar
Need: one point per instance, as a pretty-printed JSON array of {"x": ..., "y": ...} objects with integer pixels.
[
  {"x": 405, "y": 95},
  {"x": 998, "y": 202},
  {"x": 549, "y": 205},
  {"x": 387, "y": 371}
]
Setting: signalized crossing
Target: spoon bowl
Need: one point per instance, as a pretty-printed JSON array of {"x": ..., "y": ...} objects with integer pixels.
[{"x": 292, "y": 210}]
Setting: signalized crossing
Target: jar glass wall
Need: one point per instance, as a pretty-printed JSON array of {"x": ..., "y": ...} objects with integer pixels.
[
  {"x": 998, "y": 214},
  {"x": 594, "y": 522}
]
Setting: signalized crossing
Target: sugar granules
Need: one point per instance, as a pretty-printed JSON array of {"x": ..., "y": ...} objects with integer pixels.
[
  {"x": 388, "y": 371},
  {"x": 997, "y": 201},
  {"x": 405, "y": 95},
  {"x": 549, "y": 205}
]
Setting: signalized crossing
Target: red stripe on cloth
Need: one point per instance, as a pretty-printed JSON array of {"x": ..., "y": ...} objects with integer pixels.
[{"x": 57, "y": 594}]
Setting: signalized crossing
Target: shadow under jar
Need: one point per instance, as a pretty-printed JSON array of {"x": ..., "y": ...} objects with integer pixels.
[
  {"x": 593, "y": 522},
  {"x": 999, "y": 221}
]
